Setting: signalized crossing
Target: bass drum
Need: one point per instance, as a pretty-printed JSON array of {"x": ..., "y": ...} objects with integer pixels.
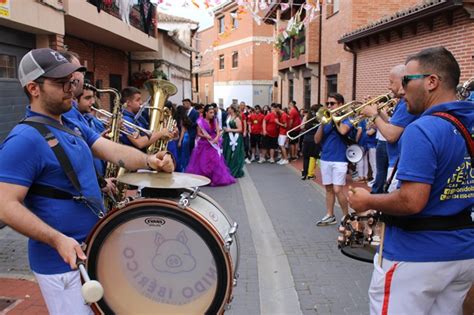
[{"x": 165, "y": 256}]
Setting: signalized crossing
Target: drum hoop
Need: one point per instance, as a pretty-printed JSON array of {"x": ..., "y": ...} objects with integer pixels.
[
  {"x": 187, "y": 216},
  {"x": 353, "y": 256}
]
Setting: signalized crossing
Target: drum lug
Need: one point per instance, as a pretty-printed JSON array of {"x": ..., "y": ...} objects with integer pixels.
[
  {"x": 234, "y": 281},
  {"x": 229, "y": 239},
  {"x": 185, "y": 198}
]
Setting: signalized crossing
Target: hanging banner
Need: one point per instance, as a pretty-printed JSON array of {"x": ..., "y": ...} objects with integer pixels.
[{"x": 5, "y": 9}]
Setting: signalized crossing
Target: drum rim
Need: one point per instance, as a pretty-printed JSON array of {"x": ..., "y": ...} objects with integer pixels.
[
  {"x": 224, "y": 287},
  {"x": 353, "y": 256},
  {"x": 230, "y": 220}
]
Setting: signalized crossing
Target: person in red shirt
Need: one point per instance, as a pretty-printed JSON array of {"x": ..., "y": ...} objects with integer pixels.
[
  {"x": 295, "y": 120},
  {"x": 282, "y": 122},
  {"x": 270, "y": 135},
  {"x": 256, "y": 129}
]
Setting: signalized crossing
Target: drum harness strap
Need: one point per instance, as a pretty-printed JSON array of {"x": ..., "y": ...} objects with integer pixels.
[
  {"x": 39, "y": 123},
  {"x": 459, "y": 221}
]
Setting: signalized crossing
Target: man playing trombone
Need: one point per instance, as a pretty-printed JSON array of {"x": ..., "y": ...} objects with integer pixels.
[{"x": 333, "y": 160}]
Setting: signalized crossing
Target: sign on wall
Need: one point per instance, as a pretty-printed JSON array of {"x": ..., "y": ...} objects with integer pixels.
[{"x": 5, "y": 9}]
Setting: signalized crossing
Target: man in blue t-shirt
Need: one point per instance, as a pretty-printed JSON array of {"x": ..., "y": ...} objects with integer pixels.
[
  {"x": 36, "y": 196},
  {"x": 428, "y": 252},
  {"x": 333, "y": 161},
  {"x": 392, "y": 128},
  {"x": 131, "y": 98}
]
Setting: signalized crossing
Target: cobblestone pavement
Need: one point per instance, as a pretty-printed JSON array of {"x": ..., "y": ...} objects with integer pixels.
[{"x": 326, "y": 282}]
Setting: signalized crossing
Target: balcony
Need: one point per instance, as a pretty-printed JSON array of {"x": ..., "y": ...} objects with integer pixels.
[{"x": 107, "y": 28}]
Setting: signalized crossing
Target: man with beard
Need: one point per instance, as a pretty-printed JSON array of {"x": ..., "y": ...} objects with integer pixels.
[
  {"x": 428, "y": 256},
  {"x": 38, "y": 197}
]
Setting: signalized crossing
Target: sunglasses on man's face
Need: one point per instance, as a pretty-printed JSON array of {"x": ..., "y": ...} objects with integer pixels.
[
  {"x": 330, "y": 103},
  {"x": 408, "y": 78}
]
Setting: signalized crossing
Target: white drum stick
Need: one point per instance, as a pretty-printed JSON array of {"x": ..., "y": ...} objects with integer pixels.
[
  {"x": 382, "y": 238},
  {"x": 92, "y": 291}
]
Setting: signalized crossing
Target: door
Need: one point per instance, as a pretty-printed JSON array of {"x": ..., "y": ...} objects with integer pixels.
[{"x": 13, "y": 101}]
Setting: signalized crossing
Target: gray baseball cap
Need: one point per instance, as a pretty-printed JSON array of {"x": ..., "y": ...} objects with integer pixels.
[{"x": 45, "y": 62}]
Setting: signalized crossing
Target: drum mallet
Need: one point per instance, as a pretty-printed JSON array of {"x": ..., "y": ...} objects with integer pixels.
[{"x": 92, "y": 291}]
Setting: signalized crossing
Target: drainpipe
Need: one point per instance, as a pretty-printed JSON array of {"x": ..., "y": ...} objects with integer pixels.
[
  {"x": 354, "y": 71},
  {"x": 320, "y": 52}
]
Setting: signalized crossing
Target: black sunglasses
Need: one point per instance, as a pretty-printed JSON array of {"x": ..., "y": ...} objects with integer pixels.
[
  {"x": 330, "y": 103},
  {"x": 408, "y": 78}
]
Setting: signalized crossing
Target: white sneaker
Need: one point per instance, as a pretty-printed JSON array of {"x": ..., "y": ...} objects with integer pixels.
[
  {"x": 327, "y": 220},
  {"x": 247, "y": 161},
  {"x": 261, "y": 161},
  {"x": 283, "y": 162},
  {"x": 271, "y": 161}
]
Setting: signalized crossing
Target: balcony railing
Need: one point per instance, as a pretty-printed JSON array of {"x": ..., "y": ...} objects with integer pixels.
[{"x": 135, "y": 16}]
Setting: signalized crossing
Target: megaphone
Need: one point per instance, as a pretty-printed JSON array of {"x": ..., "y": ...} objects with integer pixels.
[{"x": 354, "y": 153}]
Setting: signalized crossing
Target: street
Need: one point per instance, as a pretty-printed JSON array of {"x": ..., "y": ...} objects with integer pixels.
[{"x": 287, "y": 264}]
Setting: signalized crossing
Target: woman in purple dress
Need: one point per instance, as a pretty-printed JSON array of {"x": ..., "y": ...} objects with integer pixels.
[{"x": 206, "y": 158}]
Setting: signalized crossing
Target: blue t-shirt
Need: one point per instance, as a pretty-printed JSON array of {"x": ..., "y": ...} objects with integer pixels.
[
  {"x": 400, "y": 118},
  {"x": 75, "y": 114},
  {"x": 95, "y": 124},
  {"x": 130, "y": 117},
  {"x": 471, "y": 97},
  {"x": 333, "y": 145},
  {"x": 26, "y": 158},
  {"x": 365, "y": 140},
  {"x": 433, "y": 152}
]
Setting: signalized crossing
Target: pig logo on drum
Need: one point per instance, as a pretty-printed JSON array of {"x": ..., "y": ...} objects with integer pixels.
[
  {"x": 173, "y": 266},
  {"x": 173, "y": 255}
]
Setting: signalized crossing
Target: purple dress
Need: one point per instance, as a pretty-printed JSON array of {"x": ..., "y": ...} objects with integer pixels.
[{"x": 207, "y": 159}]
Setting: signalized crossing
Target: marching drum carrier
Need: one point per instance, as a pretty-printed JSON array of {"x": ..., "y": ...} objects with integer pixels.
[{"x": 176, "y": 254}]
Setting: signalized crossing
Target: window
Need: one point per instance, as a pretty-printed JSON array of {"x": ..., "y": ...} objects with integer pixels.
[
  {"x": 235, "y": 59},
  {"x": 235, "y": 22},
  {"x": 221, "y": 62},
  {"x": 235, "y": 101},
  {"x": 307, "y": 92},
  {"x": 221, "y": 102},
  {"x": 332, "y": 7},
  {"x": 8, "y": 67},
  {"x": 221, "y": 25},
  {"x": 290, "y": 90},
  {"x": 331, "y": 84}
]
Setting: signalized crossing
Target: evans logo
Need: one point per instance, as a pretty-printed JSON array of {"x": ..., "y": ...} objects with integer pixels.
[{"x": 155, "y": 221}]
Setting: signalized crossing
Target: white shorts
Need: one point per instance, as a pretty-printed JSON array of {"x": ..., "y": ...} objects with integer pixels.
[
  {"x": 394, "y": 183},
  {"x": 333, "y": 173},
  {"x": 282, "y": 140},
  {"x": 434, "y": 288},
  {"x": 62, "y": 293}
]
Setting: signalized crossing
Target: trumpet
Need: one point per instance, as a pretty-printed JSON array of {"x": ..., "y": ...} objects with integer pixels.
[
  {"x": 354, "y": 111},
  {"x": 465, "y": 89},
  {"x": 390, "y": 106},
  {"x": 127, "y": 128}
]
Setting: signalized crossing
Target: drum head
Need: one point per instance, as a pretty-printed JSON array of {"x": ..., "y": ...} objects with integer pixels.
[
  {"x": 365, "y": 254},
  {"x": 152, "y": 258},
  {"x": 164, "y": 180}
]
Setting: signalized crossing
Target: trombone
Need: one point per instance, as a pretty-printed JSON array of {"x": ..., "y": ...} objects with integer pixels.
[
  {"x": 126, "y": 128},
  {"x": 354, "y": 111},
  {"x": 324, "y": 116}
]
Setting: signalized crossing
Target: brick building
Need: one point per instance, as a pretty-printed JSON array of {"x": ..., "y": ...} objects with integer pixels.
[
  {"x": 296, "y": 62},
  {"x": 388, "y": 42},
  {"x": 234, "y": 63},
  {"x": 102, "y": 39}
]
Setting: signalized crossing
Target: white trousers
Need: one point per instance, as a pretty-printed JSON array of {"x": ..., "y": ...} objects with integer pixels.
[
  {"x": 62, "y": 293},
  {"x": 419, "y": 288},
  {"x": 363, "y": 166}
]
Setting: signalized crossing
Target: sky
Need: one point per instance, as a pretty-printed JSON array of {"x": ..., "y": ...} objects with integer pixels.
[{"x": 186, "y": 8}]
